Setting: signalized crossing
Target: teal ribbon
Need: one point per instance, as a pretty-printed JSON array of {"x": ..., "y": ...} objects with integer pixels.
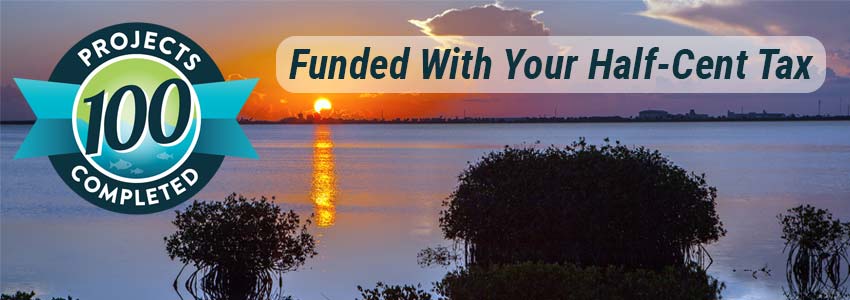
[
  {"x": 53, "y": 103},
  {"x": 220, "y": 103}
]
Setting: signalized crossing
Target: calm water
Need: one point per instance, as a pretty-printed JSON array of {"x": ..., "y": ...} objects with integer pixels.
[{"x": 376, "y": 191}]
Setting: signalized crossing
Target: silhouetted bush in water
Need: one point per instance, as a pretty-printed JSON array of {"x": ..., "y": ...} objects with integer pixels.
[
  {"x": 19, "y": 295},
  {"x": 539, "y": 281},
  {"x": 437, "y": 256},
  {"x": 394, "y": 292},
  {"x": 583, "y": 222},
  {"x": 238, "y": 247},
  {"x": 817, "y": 247},
  {"x": 584, "y": 204}
]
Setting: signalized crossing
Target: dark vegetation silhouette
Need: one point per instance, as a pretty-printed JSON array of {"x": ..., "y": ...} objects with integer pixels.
[
  {"x": 817, "y": 246},
  {"x": 438, "y": 256},
  {"x": 239, "y": 248},
  {"x": 19, "y": 295},
  {"x": 580, "y": 222},
  {"x": 395, "y": 292},
  {"x": 541, "y": 281},
  {"x": 584, "y": 204}
]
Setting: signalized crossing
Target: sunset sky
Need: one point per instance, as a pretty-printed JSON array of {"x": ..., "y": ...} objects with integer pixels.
[{"x": 243, "y": 36}]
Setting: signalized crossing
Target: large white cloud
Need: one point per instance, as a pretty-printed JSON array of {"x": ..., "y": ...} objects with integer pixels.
[{"x": 487, "y": 20}]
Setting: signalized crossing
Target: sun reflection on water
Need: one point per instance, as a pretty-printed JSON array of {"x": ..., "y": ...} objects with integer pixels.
[{"x": 323, "y": 191}]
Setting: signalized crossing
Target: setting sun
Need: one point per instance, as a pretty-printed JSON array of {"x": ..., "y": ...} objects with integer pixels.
[{"x": 322, "y": 104}]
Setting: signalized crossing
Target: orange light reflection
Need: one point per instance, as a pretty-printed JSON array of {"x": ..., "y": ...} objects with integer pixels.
[{"x": 323, "y": 191}]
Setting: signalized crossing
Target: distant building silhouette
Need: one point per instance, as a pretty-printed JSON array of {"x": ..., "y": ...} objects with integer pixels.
[
  {"x": 653, "y": 114},
  {"x": 692, "y": 115},
  {"x": 754, "y": 115},
  {"x": 643, "y": 116}
]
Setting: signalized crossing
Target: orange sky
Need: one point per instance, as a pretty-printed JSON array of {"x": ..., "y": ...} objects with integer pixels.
[{"x": 243, "y": 37}]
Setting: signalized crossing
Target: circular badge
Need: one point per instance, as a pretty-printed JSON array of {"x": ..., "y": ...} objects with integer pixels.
[{"x": 126, "y": 118}]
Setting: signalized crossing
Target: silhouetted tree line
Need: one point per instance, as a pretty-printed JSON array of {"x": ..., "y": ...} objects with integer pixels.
[{"x": 19, "y": 295}]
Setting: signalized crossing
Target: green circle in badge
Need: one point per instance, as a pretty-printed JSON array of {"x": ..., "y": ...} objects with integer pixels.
[{"x": 146, "y": 160}]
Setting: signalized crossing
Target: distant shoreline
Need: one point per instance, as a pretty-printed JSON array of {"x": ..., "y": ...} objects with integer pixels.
[
  {"x": 527, "y": 120},
  {"x": 543, "y": 120}
]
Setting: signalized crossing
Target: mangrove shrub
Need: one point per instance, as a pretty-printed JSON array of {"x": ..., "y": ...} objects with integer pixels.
[
  {"x": 582, "y": 204},
  {"x": 238, "y": 246},
  {"x": 541, "y": 281},
  {"x": 817, "y": 246}
]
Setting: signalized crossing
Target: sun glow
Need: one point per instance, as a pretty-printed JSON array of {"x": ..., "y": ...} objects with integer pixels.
[{"x": 322, "y": 104}]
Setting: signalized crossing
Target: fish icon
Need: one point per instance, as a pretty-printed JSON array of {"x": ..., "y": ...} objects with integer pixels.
[
  {"x": 165, "y": 155},
  {"x": 137, "y": 171},
  {"x": 120, "y": 164}
]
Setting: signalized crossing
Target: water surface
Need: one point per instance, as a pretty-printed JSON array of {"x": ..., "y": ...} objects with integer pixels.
[{"x": 376, "y": 191}]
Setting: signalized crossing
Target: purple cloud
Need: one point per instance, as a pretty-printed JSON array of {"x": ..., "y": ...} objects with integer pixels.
[{"x": 825, "y": 20}]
